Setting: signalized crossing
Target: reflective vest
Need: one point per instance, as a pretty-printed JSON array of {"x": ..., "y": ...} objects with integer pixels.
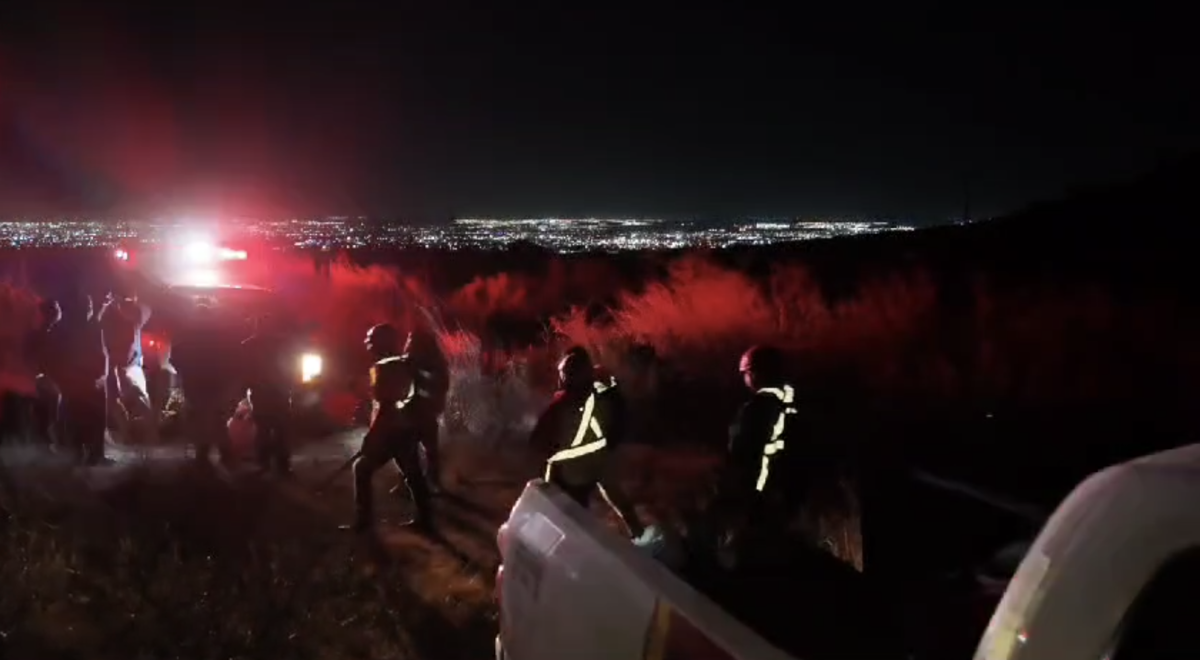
[
  {"x": 580, "y": 444},
  {"x": 775, "y": 444},
  {"x": 420, "y": 377},
  {"x": 377, "y": 374}
]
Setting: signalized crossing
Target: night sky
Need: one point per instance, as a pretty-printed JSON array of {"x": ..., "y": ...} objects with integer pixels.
[{"x": 711, "y": 109}]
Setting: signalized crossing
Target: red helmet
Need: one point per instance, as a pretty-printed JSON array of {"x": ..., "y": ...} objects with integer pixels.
[{"x": 762, "y": 361}]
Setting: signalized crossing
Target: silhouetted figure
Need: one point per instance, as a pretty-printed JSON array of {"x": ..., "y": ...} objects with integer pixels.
[
  {"x": 78, "y": 366},
  {"x": 394, "y": 433},
  {"x": 755, "y": 490},
  {"x": 122, "y": 321},
  {"x": 432, "y": 381},
  {"x": 577, "y": 431},
  {"x": 199, "y": 355},
  {"x": 268, "y": 361},
  {"x": 44, "y": 407}
]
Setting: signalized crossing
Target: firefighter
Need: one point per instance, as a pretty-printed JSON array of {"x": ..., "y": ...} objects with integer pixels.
[
  {"x": 198, "y": 359},
  {"x": 432, "y": 374},
  {"x": 79, "y": 365},
  {"x": 267, "y": 358},
  {"x": 755, "y": 492},
  {"x": 394, "y": 431},
  {"x": 576, "y": 430}
]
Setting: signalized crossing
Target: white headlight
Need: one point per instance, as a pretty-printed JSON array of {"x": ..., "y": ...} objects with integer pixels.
[{"x": 310, "y": 366}]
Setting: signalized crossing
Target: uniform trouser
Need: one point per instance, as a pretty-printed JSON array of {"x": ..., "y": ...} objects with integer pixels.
[
  {"x": 592, "y": 474},
  {"x": 272, "y": 437},
  {"x": 84, "y": 417},
  {"x": 207, "y": 425},
  {"x": 427, "y": 431},
  {"x": 377, "y": 451}
]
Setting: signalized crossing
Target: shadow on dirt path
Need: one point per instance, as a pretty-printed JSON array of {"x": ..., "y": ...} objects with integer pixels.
[{"x": 438, "y": 589}]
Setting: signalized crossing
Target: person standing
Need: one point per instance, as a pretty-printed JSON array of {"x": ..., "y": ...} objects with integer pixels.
[
  {"x": 432, "y": 380},
  {"x": 205, "y": 385},
  {"x": 394, "y": 433},
  {"x": 78, "y": 366},
  {"x": 577, "y": 431},
  {"x": 758, "y": 492},
  {"x": 122, "y": 321},
  {"x": 268, "y": 378},
  {"x": 44, "y": 407}
]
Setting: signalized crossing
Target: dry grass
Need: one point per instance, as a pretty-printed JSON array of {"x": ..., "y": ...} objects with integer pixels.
[
  {"x": 167, "y": 561},
  {"x": 891, "y": 343}
]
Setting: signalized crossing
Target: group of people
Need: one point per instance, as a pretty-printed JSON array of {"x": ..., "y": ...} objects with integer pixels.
[
  {"x": 81, "y": 356},
  {"x": 80, "y": 353},
  {"x": 757, "y": 494},
  {"x": 262, "y": 370},
  {"x": 576, "y": 433}
]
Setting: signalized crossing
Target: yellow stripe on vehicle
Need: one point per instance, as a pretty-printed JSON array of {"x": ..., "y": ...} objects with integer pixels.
[{"x": 656, "y": 635}]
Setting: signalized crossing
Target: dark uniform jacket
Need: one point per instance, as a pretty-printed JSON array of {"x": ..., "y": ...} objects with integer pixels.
[
  {"x": 752, "y": 436},
  {"x": 393, "y": 392},
  {"x": 270, "y": 366},
  {"x": 76, "y": 359},
  {"x": 198, "y": 356},
  {"x": 557, "y": 434}
]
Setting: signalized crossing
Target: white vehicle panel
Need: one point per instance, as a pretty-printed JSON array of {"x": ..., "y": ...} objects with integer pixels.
[
  {"x": 574, "y": 589},
  {"x": 546, "y": 570},
  {"x": 1101, "y": 547}
]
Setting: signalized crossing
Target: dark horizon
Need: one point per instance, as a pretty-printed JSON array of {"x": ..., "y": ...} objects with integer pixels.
[{"x": 419, "y": 111}]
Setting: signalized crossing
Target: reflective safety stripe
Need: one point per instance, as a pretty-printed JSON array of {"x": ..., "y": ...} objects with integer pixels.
[
  {"x": 775, "y": 445},
  {"x": 426, "y": 376},
  {"x": 587, "y": 422},
  {"x": 412, "y": 388},
  {"x": 412, "y": 392}
]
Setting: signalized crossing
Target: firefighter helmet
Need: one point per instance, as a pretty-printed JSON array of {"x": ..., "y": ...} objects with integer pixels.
[
  {"x": 763, "y": 362},
  {"x": 383, "y": 338},
  {"x": 575, "y": 367}
]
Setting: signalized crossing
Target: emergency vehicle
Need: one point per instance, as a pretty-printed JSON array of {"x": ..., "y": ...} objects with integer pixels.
[
  {"x": 174, "y": 278},
  {"x": 1112, "y": 575}
]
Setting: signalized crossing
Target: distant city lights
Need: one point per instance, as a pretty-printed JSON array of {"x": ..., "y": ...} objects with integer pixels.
[{"x": 556, "y": 234}]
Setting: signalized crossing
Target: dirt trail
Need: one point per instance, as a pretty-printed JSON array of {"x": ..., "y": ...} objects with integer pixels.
[{"x": 439, "y": 589}]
